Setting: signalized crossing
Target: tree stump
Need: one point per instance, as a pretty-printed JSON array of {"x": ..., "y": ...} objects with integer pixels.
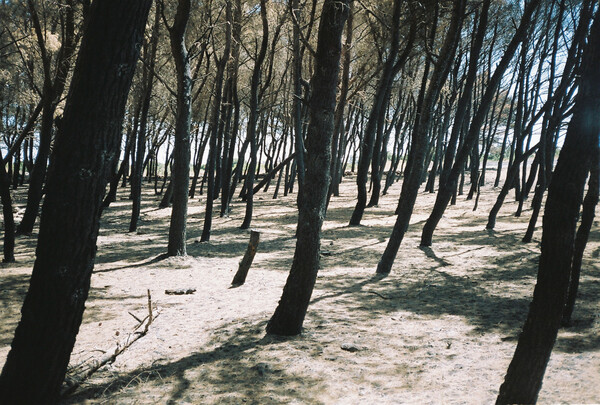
[{"x": 240, "y": 276}]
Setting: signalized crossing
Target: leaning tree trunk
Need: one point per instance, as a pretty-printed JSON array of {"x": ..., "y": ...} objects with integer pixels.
[
  {"x": 86, "y": 145},
  {"x": 553, "y": 117},
  {"x": 180, "y": 177},
  {"x": 565, "y": 194},
  {"x": 290, "y": 313},
  {"x": 581, "y": 238},
  {"x": 416, "y": 160},
  {"x": 379, "y": 101},
  {"x": 448, "y": 186},
  {"x": 52, "y": 91}
]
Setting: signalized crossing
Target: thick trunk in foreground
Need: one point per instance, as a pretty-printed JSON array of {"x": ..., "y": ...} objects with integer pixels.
[
  {"x": 290, "y": 313},
  {"x": 86, "y": 146},
  {"x": 565, "y": 194}
]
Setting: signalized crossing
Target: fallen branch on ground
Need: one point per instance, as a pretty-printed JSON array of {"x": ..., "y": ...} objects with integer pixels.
[
  {"x": 77, "y": 374},
  {"x": 180, "y": 291}
]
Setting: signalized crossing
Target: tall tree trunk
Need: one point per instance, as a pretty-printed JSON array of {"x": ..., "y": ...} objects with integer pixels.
[
  {"x": 86, "y": 145},
  {"x": 297, "y": 97},
  {"x": 565, "y": 194},
  {"x": 148, "y": 79},
  {"x": 180, "y": 177},
  {"x": 290, "y": 313},
  {"x": 214, "y": 128},
  {"x": 111, "y": 196},
  {"x": 554, "y": 116},
  {"x": 232, "y": 127},
  {"x": 52, "y": 91},
  {"x": 448, "y": 187},
  {"x": 204, "y": 138},
  {"x": 390, "y": 69},
  {"x": 253, "y": 115},
  {"x": 414, "y": 170},
  {"x": 338, "y": 132}
]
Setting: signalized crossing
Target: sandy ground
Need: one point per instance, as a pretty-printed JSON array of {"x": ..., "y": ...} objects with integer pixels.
[{"x": 441, "y": 328}]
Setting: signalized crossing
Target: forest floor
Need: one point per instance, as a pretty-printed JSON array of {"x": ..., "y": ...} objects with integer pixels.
[{"x": 441, "y": 328}]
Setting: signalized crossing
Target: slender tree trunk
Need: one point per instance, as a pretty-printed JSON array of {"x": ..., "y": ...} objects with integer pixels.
[
  {"x": 204, "y": 138},
  {"x": 413, "y": 173},
  {"x": 448, "y": 188},
  {"x": 504, "y": 142},
  {"x": 339, "y": 133},
  {"x": 553, "y": 117},
  {"x": 180, "y": 177},
  {"x": 297, "y": 96},
  {"x": 86, "y": 145},
  {"x": 232, "y": 127},
  {"x": 253, "y": 115},
  {"x": 379, "y": 101},
  {"x": 290, "y": 313},
  {"x": 148, "y": 76},
  {"x": 52, "y": 91},
  {"x": 214, "y": 129}
]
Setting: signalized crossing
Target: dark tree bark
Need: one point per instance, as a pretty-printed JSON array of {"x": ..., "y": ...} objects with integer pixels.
[
  {"x": 200, "y": 152},
  {"x": 180, "y": 177},
  {"x": 390, "y": 70},
  {"x": 233, "y": 124},
  {"x": 504, "y": 141},
  {"x": 297, "y": 96},
  {"x": 86, "y": 146},
  {"x": 148, "y": 80},
  {"x": 111, "y": 195},
  {"x": 520, "y": 131},
  {"x": 581, "y": 238},
  {"x": 565, "y": 194},
  {"x": 554, "y": 116},
  {"x": 290, "y": 313},
  {"x": 242, "y": 272},
  {"x": 448, "y": 185},
  {"x": 253, "y": 115},
  {"x": 339, "y": 135},
  {"x": 419, "y": 146},
  {"x": 52, "y": 91},
  {"x": 7, "y": 215},
  {"x": 214, "y": 128}
]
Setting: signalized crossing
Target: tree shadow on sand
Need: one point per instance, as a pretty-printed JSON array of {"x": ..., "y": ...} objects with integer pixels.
[{"x": 237, "y": 369}]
